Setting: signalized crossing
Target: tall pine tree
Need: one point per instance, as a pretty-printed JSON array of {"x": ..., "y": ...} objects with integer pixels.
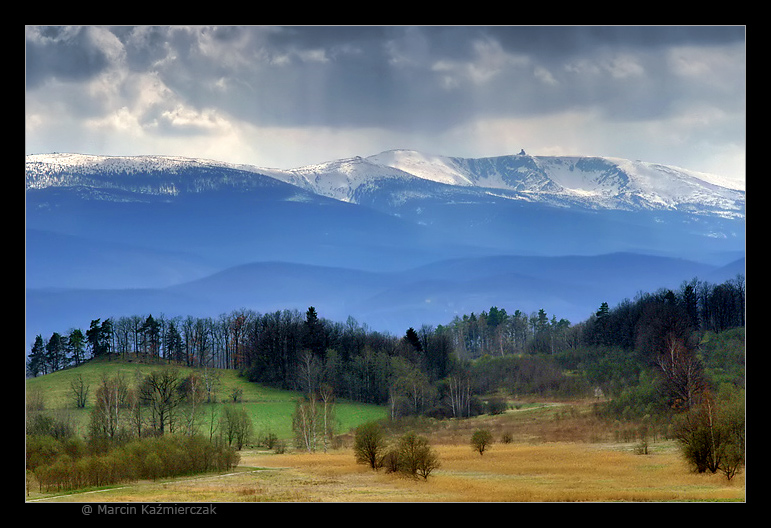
[
  {"x": 36, "y": 360},
  {"x": 55, "y": 352},
  {"x": 75, "y": 346}
]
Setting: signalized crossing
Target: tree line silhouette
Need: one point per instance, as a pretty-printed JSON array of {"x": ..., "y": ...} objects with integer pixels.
[{"x": 440, "y": 370}]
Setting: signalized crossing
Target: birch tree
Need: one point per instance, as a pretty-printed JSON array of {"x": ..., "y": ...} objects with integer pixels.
[
  {"x": 110, "y": 402},
  {"x": 459, "y": 392},
  {"x": 305, "y": 421},
  {"x": 682, "y": 372},
  {"x": 327, "y": 395}
]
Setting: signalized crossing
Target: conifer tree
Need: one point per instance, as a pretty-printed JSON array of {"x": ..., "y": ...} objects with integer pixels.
[
  {"x": 55, "y": 352},
  {"x": 36, "y": 360},
  {"x": 75, "y": 346}
]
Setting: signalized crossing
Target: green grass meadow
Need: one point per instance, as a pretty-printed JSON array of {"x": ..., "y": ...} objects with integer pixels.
[{"x": 270, "y": 409}]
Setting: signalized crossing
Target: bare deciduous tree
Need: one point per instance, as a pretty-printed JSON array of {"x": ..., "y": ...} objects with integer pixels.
[
  {"x": 193, "y": 394},
  {"x": 309, "y": 370},
  {"x": 327, "y": 395},
  {"x": 79, "y": 391},
  {"x": 369, "y": 445},
  {"x": 682, "y": 371},
  {"x": 460, "y": 395},
  {"x": 413, "y": 456},
  {"x": 235, "y": 426},
  {"x": 305, "y": 423},
  {"x": 110, "y": 401},
  {"x": 160, "y": 391}
]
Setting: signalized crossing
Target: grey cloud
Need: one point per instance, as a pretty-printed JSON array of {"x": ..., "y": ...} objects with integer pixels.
[
  {"x": 66, "y": 53},
  {"x": 420, "y": 81},
  {"x": 383, "y": 76},
  {"x": 561, "y": 42}
]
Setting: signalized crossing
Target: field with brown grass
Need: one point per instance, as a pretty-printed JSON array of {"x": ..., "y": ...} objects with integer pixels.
[
  {"x": 550, "y": 472},
  {"x": 558, "y": 453}
]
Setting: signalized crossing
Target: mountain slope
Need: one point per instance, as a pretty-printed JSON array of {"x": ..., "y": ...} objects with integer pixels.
[
  {"x": 594, "y": 182},
  {"x": 399, "y": 238},
  {"x": 517, "y": 203},
  {"x": 216, "y": 213}
]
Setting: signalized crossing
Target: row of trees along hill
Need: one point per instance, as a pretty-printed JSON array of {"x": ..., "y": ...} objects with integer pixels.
[{"x": 443, "y": 371}]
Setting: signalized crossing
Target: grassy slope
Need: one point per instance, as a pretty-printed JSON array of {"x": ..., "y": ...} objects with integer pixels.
[
  {"x": 270, "y": 409},
  {"x": 559, "y": 453},
  {"x": 539, "y": 466}
]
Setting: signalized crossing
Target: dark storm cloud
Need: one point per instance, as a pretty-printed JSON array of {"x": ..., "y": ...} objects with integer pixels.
[
  {"x": 297, "y": 76},
  {"x": 69, "y": 54},
  {"x": 386, "y": 76},
  {"x": 402, "y": 82},
  {"x": 624, "y": 72},
  {"x": 565, "y": 41},
  {"x": 436, "y": 76}
]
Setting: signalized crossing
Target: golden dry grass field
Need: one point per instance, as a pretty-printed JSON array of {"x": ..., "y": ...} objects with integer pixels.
[
  {"x": 548, "y": 472},
  {"x": 539, "y": 465}
]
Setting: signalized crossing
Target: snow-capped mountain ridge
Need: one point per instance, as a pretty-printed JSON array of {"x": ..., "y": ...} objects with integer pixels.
[
  {"x": 590, "y": 182},
  {"x": 338, "y": 179},
  {"x": 123, "y": 178},
  {"x": 603, "y": 181},
  {"x": 112, "y": 236}
]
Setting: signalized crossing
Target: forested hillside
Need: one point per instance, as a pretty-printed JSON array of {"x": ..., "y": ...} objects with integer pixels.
[
  {"x": 668, "y": 363},
  {"x": 437, "y": 371}
]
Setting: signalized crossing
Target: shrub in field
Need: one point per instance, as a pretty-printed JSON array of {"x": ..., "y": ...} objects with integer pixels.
[
  {"x": 40, "y": 423},
  {"x": 151, "y": 458},
  {"x": 712, "y": 434},
  {"x": 496, "y": 405},
  {"x": 369, "y": 445},
  {"x": 42, "y": 450},
  {"x": 412, "y": 457},
  {"x": 390, "y": 461},
  {"x": 152, "y": 466},
  {"x": 481, "y": 440}
]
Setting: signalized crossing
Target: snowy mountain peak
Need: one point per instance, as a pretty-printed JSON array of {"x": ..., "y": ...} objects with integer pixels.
[
  {"x": 338, "y": 179},
  {"x": 440, "y": 169},
  {"x": 566, "y": 181},
  {"x": 597, "y": 182}
]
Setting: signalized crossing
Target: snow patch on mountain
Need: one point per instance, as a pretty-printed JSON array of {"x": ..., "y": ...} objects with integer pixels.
[
  {"x": 138, "y": 178},
  {"x": 595, "y": 182},
  {"x": 46, "y": 170},
  {"x": 440, "y": 169},
  {"x": 338, "y": 179},
  {"x": 590, "y": 182}
]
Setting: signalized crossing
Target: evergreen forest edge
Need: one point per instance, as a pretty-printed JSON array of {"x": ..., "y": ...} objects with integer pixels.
[{"x": 662, "y": 358}]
